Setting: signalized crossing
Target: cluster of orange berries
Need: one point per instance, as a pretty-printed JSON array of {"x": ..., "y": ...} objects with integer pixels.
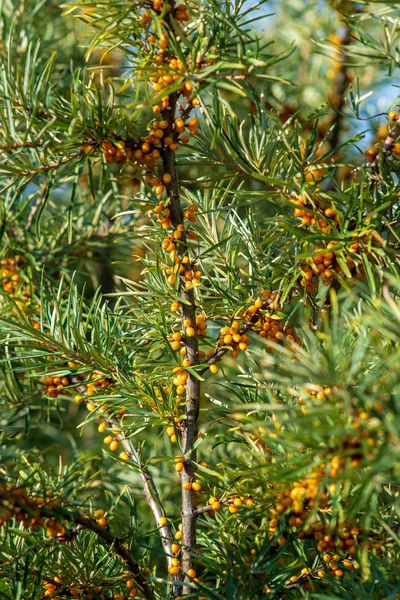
[
  {"x": 98, "y": 383},
  {"x": 315, "y": 214},
  {"x": 324, "y": 264},
  {"x": 236, "y": 502},
  {"x": 112, "y": 440},
  {"x": 367, "y": 435},
  {"x": 146, "y": 152},
  {"x": 184, "y": 267},
  {"x": 142, "y": 153},
  {"x": 27, "y": 510},
  {"x": 276, "y": 331},
  {"x": 334, "y": 565},
  {"x": 231, "y": 336},
  {"x": 295, "y": 504},
  {"x": 268, "y": 324},
  {"x": 57, "y": 589},
  {"x": 163, "y": 216},
  {"x": 11, "y": 281},
  {"x": 56, "y": 586},
  {"x": 168, "y": 68},
  {"x": 55, "y": 385},
  {"x": 190, "y": 330},
  {"x": 318, "y": 392}
]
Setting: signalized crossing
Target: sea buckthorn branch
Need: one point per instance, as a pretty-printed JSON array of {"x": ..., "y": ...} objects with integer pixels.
[
  {"x": 116, "y": 544},
  {"x": 192, "y": 389},
  {"x": 150, "y": 490},
  {"x": 22, "y": 505}
]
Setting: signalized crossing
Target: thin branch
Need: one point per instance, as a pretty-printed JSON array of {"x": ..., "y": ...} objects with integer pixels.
[
  {"x": 55, "y": 165},
  {"x": 18, "y": 145}
]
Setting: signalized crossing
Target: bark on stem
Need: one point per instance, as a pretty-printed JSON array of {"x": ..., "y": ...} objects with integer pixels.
[{"x": 189, "y": 434}]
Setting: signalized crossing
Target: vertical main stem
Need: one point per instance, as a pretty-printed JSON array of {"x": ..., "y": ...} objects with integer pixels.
[{"x": 189, "y": 435}]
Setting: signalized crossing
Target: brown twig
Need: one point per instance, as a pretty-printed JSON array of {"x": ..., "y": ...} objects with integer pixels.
[
  {"x": 55, "y": 165},
  {"x": 18, "y": 145}
]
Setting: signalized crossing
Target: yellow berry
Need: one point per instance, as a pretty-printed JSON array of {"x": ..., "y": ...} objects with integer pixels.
[
  {"x": 213, "y": 368},
  {"x": 163, "y": 521},
  {"x": 114, "y": 446}
]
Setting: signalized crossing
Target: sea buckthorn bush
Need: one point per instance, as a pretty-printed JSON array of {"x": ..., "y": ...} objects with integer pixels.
[{"x": 199, "y": 300}]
